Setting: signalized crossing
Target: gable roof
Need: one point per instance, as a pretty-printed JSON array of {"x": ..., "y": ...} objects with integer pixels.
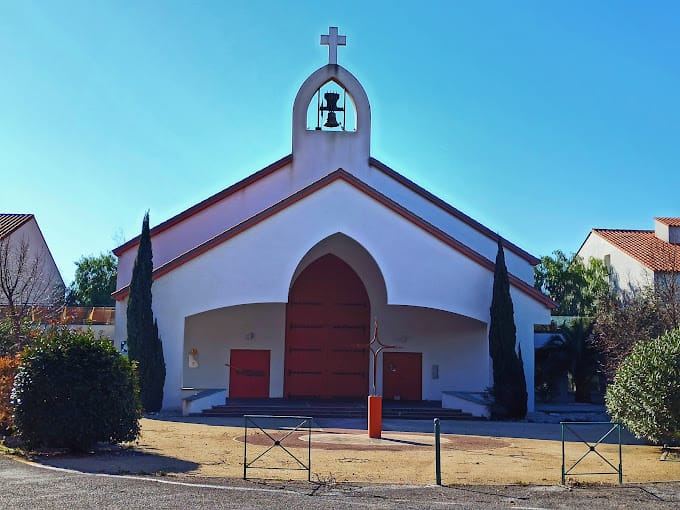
[
  {"x": 453, "y": 211},
  {"x": 645, "y": 247},
  {"x": 671, "y": 222},
  {"x": 372, "y": 162},
  {"x": 341, "y": 174},
  {"x": 244, "y": 183},
  {"x": 11, "y": 222}
]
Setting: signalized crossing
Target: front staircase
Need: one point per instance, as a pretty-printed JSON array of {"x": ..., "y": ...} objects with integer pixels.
[{"x": 392, "y": 409}]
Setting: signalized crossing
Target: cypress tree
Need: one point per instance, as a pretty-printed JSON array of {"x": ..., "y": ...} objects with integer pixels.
[
  {"x": 144, "y": 344},
  {"x": 509, "y": 384}
]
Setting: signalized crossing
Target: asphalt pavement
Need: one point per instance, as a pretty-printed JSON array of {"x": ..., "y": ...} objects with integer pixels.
[{"x": 26, "y": 486}]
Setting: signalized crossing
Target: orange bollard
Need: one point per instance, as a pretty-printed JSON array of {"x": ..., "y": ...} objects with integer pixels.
[{"x": 374, "y": 416}]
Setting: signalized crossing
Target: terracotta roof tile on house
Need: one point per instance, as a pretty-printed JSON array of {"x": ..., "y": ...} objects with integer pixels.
[
  {"x": 645, "y": 247},
  {"x": 88, "y": 315},
  {"x": 10, "y": 222},
  {"x": 71, "y": 315},
  {"x": 671, "y": 222}
]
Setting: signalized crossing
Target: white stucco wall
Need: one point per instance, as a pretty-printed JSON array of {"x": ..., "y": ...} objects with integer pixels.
[
  {"x": 50, "y": 278},
  {"x": 212, "y": 221},
  {"x": 445, "y": 221},
  {"x": 103, "y": 330},
  {"x": 457, "y": 345},
  {"x": 628, "y": 272},
  {"x": 258, "y": 265},
  {"x": 215, "y": 333},
  {"x": 316, "y": 153}
]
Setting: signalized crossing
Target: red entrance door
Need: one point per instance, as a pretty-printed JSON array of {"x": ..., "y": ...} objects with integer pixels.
[
  {"x": 249, "y": 374},
  {"x": 402, "y": 375},
  {"x": 327, "y": 333}
]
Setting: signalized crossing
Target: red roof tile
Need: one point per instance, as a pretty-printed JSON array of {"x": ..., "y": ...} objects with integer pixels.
[
  {"x": 10, "y": 222},
  {"x": 645, "y": 247},
  {"x": 671, "y": 222}
]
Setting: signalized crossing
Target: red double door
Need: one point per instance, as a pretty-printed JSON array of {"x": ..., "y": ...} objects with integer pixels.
[{"x": 327, "y": 333}]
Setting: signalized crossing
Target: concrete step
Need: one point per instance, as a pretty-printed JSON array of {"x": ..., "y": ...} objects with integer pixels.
[{"x": 417, "y": 411}]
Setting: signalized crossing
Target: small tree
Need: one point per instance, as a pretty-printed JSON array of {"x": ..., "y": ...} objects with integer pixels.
[
  {"x": 509, "y": 383},
  {"x": 645, "y": 395},
  {"x": 623, "y": 319},
  {"x": 667, "y": 294},
  {"x": 25, "y": 282},
  {"x": 95, "y": 281},
  {"x": 144, "y": 344},
  {"x": 73, "y": 390},
  {"x": 574, "y": 284}
]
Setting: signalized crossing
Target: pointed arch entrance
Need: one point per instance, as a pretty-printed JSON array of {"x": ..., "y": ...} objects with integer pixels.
[{"x": 327, "y": 333}]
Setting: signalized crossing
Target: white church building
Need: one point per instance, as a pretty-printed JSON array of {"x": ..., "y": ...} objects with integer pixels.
[{"x": 270, "y": 287}]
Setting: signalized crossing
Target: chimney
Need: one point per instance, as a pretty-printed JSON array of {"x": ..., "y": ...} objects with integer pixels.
[{"x": 667, "y": 229}]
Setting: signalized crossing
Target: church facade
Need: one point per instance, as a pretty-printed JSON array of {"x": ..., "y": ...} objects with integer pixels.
[{"x": 272, "y": 287}]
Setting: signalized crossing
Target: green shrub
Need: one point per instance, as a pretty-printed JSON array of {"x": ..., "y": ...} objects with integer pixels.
[
  {"x": 8, "y": 369},
  {"x": 73, "y": 390},
  {"x": 645, "y": 395}
]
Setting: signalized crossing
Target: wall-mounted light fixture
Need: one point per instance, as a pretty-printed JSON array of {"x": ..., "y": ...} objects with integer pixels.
[{"x": 193, "y": 358}]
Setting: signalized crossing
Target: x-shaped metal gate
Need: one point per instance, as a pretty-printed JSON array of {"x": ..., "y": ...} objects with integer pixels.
[
  {"x": 275, "y": 436},
  {"x": 592, "y": 448}
]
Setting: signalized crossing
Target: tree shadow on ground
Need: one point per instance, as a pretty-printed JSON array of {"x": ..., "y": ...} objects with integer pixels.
[{"x": 116, "y": 460}]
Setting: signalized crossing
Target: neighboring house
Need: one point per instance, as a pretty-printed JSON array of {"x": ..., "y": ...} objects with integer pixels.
[
  {"x": 270, "y": 287},
  {"x": 21, "y": 238},
  {"x": 637, "y": 258}
]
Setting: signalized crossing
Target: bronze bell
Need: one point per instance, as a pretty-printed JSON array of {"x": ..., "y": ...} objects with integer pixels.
[
  {"x": 331, "y": 107},
  {"x": 331, "y": 120}
]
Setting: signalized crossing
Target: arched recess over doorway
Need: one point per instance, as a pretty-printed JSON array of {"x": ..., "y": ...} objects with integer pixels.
[
  {"x": 327, "y": 332},
  {"x": 357, "y": 257}
]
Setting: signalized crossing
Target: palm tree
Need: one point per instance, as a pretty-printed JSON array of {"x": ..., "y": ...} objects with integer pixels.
[{"x": 571, "y": 352}]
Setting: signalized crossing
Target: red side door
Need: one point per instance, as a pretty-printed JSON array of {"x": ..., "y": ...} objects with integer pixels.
[
  {"x": 249, "y": 373},
  {"x": 402, "y": 375}
]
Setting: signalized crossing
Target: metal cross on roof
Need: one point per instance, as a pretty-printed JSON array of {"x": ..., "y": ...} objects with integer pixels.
[{"x": 333, "y": 40}]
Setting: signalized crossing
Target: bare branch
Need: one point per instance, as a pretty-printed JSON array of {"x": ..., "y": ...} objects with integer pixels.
[{"x": 26, "y": 282}]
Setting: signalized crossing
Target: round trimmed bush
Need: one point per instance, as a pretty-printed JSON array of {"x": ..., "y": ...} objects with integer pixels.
[
  {"x": 73, "y": 390},
  {"x": 645, "y": 395}
]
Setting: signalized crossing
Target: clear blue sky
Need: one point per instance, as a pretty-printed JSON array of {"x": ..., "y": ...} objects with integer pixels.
[{"x": 539, "y": 119}]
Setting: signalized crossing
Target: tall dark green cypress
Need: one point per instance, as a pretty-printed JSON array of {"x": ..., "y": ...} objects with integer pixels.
[
  {"x": 509, "y": 384},
  {"x": 144, "y": 344}
]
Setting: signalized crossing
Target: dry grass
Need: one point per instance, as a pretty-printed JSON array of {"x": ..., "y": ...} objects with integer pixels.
[{"x": 349, "y": 456}]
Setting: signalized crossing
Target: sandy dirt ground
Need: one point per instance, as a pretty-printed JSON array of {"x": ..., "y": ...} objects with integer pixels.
[{"x": 171, "y": 448}]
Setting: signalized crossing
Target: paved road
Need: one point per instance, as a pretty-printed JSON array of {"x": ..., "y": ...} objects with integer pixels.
[{"x": 30, "y": 487}]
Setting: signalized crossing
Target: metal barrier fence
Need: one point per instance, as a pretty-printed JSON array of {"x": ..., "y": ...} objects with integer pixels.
[
  {"x": 569, "y": 427},
  {"x": 273, "y": 432}
]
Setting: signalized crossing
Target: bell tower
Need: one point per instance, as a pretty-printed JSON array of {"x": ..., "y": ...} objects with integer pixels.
[{"x": 331, "y": 119}]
